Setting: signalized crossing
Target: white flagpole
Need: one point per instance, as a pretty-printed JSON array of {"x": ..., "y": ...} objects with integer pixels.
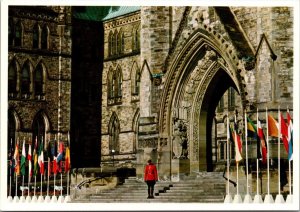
[
  {"x": 10, "y": 167},
  {"x": 279, "y": 197},
  {"x": 48, "y": 177},
  {"x": 268, "y": 197},
  {"x": 22, "y": 185},
  {"x": 68, "y": 183},
  {"x": 257, "y": 161},
  {"x": 228, "y": 198},
  {"x": 279, "y": 132},
  {"x": 34, "y": 185},
  {"x": 237, "y": 197},
  {"x": 248, "y": 198},
  {"x": 257, "y": 197},
  {"x": 61, "y": 191},
  {"x": 257, "y": 164}
]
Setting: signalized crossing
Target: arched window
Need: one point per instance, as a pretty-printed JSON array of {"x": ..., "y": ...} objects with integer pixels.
[
  {"x": 38, "y": 128},
  {"x": 110, "y": 44},
  {"x": 119, "y": 82},
  {"x": 44, "y": 37},
  {"x": 114, "y": 43},
  {"x": 12, "y": 78},
  {"x": 114, "y": 131},
  {"x": 11, "y": 130},
  {"x": 39, "y": 80},
  {"x": 136, "y": 39},
  {"x": 110, "y": 83},
  {"x": 18, "y": 34},
  {"x": 10, "y": 32},
  {"x": 25, "y": 79},
  {"x": 121, "y": 42},
  {"x": 35, "y": 36},
  {"x": 137, "y": 82}
]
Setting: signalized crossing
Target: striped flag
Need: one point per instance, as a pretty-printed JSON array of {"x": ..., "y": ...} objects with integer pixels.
[
  {"x": 29, "y": 157},
  {"x": 35, "y": 158},
  {"x": 41, "y": 158},
  {"x": 263, "y": 142},
  {"x": 290, "y": 136},
  {"x": 284, "y": 133},
  {"x": 67, "y": 160},
  {"x": 237, "y": 143},
  {"x": 16, "y": 158},
  {"x": 23, "y": 159}
]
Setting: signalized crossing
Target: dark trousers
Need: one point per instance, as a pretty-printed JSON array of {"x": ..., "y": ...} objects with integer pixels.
[{"x": 150, "y": 184}]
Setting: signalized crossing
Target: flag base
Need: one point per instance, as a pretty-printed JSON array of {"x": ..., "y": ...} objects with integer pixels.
[
  {"x": 228, "y": 199},
  {"x": 22, "y": 199},
  {"x": 41, "y": 199},
  {"x": 269, "y": 199},
  {"x": 67, "y": 199},
  {"x": 289, "y": 198},
  {"x": 34, "y": 199},
  {"x": 47, "y": 199},
  {"x": 16, "y": 199},
  {"x": 237, "y": 199},
  {"x": 53, "y": 199},
  {"x": 61, "y": 199},
  {"x": 9, "y": 199},
  {"x": 28, "y": 199},
  {"x": 257, "y": 199},
  {"x": 279, "y": 199},
  {"x": 248, "y": 198}
]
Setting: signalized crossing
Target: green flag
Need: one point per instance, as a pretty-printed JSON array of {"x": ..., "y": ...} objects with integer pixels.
[{"x": 23, "y": 159}]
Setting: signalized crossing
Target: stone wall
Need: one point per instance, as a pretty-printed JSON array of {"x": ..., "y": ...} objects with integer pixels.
[{"x": 27, "y": 109}]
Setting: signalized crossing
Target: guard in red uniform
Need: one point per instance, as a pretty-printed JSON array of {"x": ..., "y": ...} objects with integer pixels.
[{"x": 150, "y": 177}]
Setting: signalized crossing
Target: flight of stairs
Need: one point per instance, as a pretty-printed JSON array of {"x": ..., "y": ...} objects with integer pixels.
[{"x": 206, "y": 187}]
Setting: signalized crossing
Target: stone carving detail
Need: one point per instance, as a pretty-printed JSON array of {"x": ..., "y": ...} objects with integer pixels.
[
  {"x": 180, "y": 140},
  {"x": 148, "y": 142}
]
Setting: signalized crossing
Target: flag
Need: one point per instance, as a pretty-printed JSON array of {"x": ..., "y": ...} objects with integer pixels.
[
  {"x": 54, "y": 166},
  {"x": 11, "y": 158},
  {"x": 67, "y": 160},
  {"x": 35, "y": 159},
  {"x": 49, "y": 167},
  {"x": 29, "y": 160},
  {"x": 272, "y": 126},
  {"x": 60, "y": 151},
  {"x": 237, "y": 143},
  {"x": 284, "y": 133},
  {"x": 252, "y": 132},
  {"x": 41, "y": 158},
  {"x": 16, "y": 159},
  {"x": 263, "y": 143},
  {"x": 23, "y": 159},
  {"x": 290, "y": 136}
]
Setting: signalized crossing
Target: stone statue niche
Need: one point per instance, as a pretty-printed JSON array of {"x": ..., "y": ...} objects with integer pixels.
[{"x": 180, "y": 140}]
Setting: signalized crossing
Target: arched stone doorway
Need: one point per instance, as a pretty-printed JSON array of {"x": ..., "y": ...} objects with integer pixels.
[{"x": 195, "y": 82}]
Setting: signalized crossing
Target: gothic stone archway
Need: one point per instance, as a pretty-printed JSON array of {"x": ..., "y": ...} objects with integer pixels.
[{"x": 195, "y": 81}]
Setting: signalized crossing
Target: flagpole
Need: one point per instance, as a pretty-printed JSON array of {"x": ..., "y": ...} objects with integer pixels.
[
  {"x": 228, "y": 198},
  {"x": 246, "y": 141},
  {"x": 248, "y": 198},
  {"x": 16, "y": 185},
  {"x": 279, "y": 130},
  {"x": 237, "y": 197},
  {"x": 48, "y": 177},
  {"x": 268, "y": 197},
  {"x": 34, "y": 185},
  {"x": 257, "y": 161},
  {"x": 10, "y": 167},
  {"x": 68, "y": 183},
  {"x": 279, "y": 197}
]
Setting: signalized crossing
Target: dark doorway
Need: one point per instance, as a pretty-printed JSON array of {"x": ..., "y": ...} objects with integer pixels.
[{"x": 219, "y": 84}]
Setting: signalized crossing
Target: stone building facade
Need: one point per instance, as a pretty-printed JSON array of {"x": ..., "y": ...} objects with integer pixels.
[
  {"x": 196, "y": 65},
  {"x": 39, "y": 74},
  {"x": 160, "y": 85}
]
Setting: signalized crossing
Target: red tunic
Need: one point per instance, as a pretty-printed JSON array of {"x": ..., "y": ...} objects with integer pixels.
[{"x": 150, "y": 172}]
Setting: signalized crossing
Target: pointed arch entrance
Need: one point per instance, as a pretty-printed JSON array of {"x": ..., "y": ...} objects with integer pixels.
[{"x": 195, "y": 82}]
